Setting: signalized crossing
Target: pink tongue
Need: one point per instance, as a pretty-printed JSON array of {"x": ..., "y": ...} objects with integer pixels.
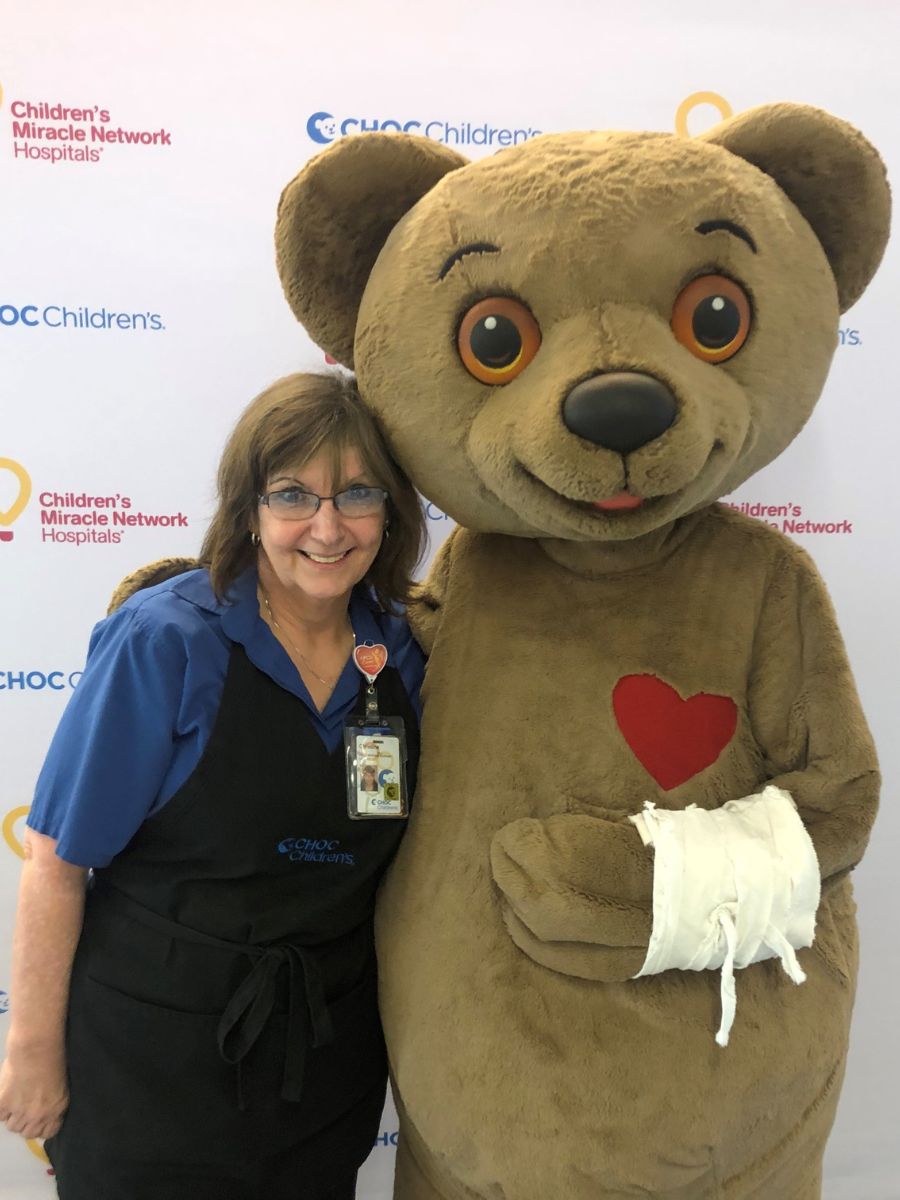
[{"x": 623, "y": 500}]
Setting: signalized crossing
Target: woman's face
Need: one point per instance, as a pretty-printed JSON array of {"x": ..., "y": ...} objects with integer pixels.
[{"x": 325, "y": 555}]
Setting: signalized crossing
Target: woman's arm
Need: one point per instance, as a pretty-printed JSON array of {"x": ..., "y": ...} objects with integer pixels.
[
  {"x": 102, "y": 776},
  {"x": 33, "y": 1090}
]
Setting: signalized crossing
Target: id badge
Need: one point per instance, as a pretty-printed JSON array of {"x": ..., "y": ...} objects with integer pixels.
[{"x": 376, "y": 769}]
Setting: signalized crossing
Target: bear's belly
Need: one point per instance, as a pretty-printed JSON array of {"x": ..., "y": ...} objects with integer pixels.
[
  {"x": 527, "y": 1084},
  {"x": 543, "y": 1085}
]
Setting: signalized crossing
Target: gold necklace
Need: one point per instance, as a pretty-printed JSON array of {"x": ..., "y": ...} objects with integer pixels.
[{"x": 329, "y": 683}]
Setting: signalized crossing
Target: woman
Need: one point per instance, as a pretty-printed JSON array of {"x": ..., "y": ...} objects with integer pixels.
[
  {"x": 219, "y": 1020},
  {"x": 369, "y": 778}
]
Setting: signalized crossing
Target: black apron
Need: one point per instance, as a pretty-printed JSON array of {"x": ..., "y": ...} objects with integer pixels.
[{"x": 223, "y": 1037}]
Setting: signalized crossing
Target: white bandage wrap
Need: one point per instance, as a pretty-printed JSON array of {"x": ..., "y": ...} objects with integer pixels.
[{"x": 731, "y": 886}]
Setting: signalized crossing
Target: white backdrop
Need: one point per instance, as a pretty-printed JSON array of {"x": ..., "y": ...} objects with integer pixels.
[{"x": 140, "y": 311}]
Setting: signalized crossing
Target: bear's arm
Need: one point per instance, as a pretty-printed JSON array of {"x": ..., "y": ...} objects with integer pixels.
[
  {"x": 426, "y": 604},
  {"x": 576, "y": 891},
  {"x": 806, "y": 717}
]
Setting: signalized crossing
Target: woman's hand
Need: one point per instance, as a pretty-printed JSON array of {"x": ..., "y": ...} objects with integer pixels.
[{"x": 33, "y": 1091}]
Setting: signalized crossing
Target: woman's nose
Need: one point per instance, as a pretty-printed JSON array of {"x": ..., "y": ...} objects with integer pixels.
[{"x": 326, "y": 522}]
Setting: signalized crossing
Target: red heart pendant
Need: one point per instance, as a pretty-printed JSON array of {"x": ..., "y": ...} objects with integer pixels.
[
  {"x": 370, "y": 659},
  {"x": 672, "y": 738}
]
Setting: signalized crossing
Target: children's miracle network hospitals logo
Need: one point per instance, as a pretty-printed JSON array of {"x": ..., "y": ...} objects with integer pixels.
[
  {"x": 52, "y": 132},
  {"x": 69, "y": 518},
  {"x": 21, "y": 494}
]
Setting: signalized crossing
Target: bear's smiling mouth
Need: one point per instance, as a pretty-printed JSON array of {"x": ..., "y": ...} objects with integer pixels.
[
  {"x": 623, "y": 506},
  {"x": 623, "y": 501},
  {"x": 617, "y": 503}
]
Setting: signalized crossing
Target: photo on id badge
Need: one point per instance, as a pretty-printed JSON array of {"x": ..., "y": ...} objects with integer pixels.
[{"x": 377, "y": 774}]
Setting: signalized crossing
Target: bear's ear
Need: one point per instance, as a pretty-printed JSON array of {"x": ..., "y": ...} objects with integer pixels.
[
  {"x": 833, "y": 175},
  {"x": 334, "y": 218}
]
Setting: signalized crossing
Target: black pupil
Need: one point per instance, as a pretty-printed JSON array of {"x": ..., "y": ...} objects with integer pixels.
[
  {"x": 495, "y": 342},
  {"x": 717, "y": 322}
]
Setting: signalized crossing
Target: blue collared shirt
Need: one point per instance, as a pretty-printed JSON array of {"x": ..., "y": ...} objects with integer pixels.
[{"x": 142, "y": 714}]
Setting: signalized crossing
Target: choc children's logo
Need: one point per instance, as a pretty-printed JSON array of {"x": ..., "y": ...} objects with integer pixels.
[
  {"x": 77, "y": 317},
  {"x": 315, "y": 850},
  {"x": 324, "y": 127}
]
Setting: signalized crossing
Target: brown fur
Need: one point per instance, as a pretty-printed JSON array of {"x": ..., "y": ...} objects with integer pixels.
[
  {"x": 149, "y": 576},
  {"x": 529, "y": 1065}
]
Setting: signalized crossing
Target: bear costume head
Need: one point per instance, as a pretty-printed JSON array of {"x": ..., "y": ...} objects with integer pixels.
[{"x": 591, "y": 334}]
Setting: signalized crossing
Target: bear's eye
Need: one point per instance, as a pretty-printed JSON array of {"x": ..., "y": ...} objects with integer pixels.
[
  {"x": 712, "y": 318},
  {"x": 497, "y": 339}
]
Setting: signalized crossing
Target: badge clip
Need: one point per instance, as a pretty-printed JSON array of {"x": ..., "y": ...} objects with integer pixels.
[{"x": 371, "y": 659}]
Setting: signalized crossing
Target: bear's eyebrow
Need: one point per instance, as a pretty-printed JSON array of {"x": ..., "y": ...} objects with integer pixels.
[
  {"x": 471, "y": 248},
  {"x": 729, "y": 227}
]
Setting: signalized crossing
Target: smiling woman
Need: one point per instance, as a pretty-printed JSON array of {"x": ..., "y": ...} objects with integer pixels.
[
  {"x": 306, "y": 430},
  {"x": 205, "y": 739}
]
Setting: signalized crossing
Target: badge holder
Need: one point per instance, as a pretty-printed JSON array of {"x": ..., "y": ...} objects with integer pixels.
[{"x": 375, "y": 750}]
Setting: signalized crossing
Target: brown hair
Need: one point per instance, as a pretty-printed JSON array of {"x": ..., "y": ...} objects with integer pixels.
[{"x": 289, "y": 423}]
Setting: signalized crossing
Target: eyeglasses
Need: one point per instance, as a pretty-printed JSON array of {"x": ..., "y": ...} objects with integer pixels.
[{"x": 295, "y": 504}]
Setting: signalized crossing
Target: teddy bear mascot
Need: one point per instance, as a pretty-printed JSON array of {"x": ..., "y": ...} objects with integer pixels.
[{"x": 644, "y": 763}]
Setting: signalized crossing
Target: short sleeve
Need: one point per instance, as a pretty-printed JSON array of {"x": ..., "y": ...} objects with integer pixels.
[{"x": 114, "y": 744}]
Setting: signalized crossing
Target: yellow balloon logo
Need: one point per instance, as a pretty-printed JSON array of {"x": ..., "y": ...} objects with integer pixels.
[
  {"x": 695, "y": 100},
  {"x": 37, "y": 1149},
  {"x": 9, "y": 829},
  {"x": 8, "y": 515}
]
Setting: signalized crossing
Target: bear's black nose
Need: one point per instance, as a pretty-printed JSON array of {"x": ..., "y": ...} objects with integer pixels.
[{"x": 619, "y": 411}]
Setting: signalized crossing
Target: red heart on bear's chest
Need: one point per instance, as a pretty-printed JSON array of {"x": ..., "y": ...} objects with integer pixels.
[{"x": 672, "y": 738}]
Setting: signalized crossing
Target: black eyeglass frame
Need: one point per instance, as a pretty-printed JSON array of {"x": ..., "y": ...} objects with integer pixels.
[{"x": 385, "y": 496}]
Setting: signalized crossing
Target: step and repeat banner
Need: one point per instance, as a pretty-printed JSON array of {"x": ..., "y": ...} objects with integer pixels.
[{"x": 143, "y": 148}]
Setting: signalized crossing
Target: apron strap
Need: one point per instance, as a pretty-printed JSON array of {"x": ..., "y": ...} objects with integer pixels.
[
  {"x": 252, "y": 1002},
  {"x": 251, "y": 1006}
]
